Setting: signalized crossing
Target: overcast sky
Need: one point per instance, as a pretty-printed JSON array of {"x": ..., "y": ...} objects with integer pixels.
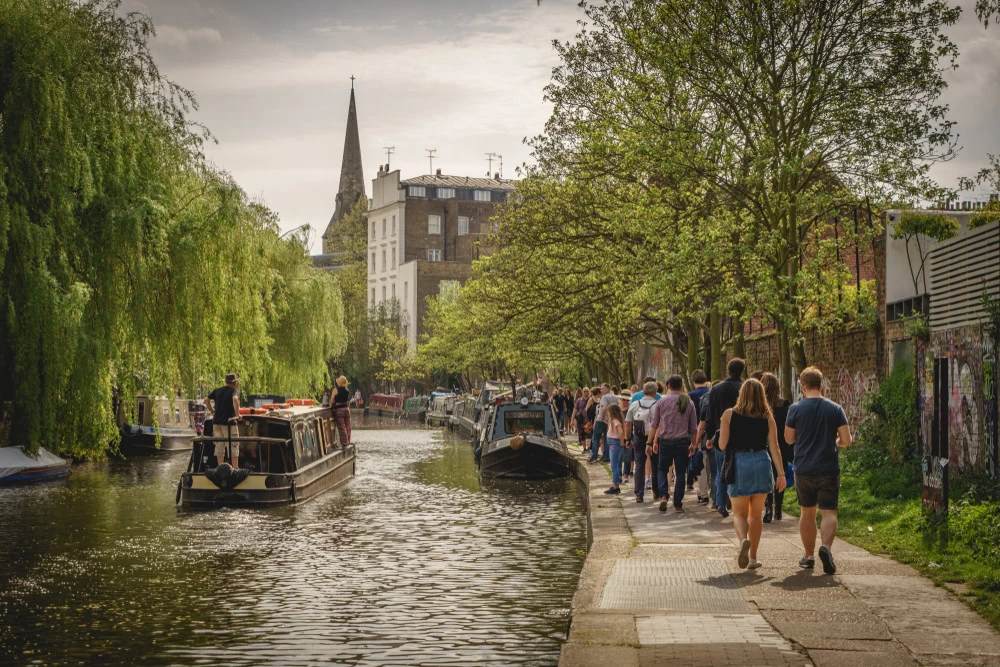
[{"x": 462, "y": 76}]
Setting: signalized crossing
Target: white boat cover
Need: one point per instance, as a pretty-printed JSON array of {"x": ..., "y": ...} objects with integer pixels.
[{"x": 13, "y": 460}]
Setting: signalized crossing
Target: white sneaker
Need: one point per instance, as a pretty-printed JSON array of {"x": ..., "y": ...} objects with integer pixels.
[
  {"x": 649, "y": 483},
  {"x": 753, "y": 564}
]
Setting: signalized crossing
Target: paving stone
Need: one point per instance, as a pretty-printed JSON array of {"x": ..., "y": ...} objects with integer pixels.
[
  {"x": 708, "y": 629},
  {"x": 604, "y": 628},
  {"x": 589, "y": 655},
  {"x": 719, "y": 654},
  {"x": 684, "y": 585},
  {"x": 823, "y": 658}
]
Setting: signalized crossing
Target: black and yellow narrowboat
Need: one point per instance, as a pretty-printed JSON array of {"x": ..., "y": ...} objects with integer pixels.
[{"x": 286, "y": 453}]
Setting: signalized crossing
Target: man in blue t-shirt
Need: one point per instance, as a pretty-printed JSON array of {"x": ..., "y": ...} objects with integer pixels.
[{"x": 817, "y": 427}]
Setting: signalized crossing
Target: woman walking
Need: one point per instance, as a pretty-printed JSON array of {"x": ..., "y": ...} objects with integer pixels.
[
  {"x": 747, "y": 433},
  {"x": 779, "y": 407},
  {"x": 580, "y": 414},
  {"x": 614, "y": 440},
  {"x": 342, "y": 411},
  {"x": 628, "y": 453}
]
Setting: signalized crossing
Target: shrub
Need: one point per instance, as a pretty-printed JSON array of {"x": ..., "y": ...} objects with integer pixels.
[{"x": 888, "y": 434}]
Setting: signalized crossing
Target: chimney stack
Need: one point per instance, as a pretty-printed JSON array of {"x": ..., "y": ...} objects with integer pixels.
[
  {"x": 496, "y": 176},
  {"x": 437, "y": 172}
]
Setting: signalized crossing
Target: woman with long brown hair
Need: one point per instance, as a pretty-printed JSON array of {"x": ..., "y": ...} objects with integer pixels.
[
  {"x": 747, "y": 433},
  {"x": 580, "y": 414},
  {"x": 779, "y": 406}
]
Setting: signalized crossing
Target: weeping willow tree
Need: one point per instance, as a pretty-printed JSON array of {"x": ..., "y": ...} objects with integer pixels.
[{"x": 125, "y": 261}]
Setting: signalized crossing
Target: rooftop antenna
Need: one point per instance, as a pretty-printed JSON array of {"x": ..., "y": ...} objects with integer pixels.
[
  {"x": 501, "y": 165},
  {"x": 389, "y": 150},
  {"x": 489, "y": 160},
  {"x": 430, "y": 158}
]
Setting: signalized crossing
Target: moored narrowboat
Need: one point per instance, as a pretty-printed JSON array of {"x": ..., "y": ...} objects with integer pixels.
[
  {"x": 171, "y": 419},
  {"x": 522, "y": 442},
  {"x": 16, "y": 467},
  {"x": 441, "y": 408},
  {"x": 286, "y": 453}
]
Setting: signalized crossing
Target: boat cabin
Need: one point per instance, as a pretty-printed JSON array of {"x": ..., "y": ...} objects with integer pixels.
[{"x": 523, "y": 419}]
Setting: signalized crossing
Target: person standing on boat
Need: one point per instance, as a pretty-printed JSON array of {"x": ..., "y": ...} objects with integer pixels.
[
  {"x": 342, "y": 411},
  {"x": 225, "y": 413}
]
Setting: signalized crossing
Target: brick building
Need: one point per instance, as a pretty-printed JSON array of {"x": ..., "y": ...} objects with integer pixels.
[{"x": 423, "y": 235}]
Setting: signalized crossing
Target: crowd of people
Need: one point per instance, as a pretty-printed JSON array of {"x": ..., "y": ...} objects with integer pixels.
[{"x": 736, "y": 444}]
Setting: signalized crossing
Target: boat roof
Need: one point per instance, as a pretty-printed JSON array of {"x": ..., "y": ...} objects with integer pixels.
[{"x": 291, "y": 411}]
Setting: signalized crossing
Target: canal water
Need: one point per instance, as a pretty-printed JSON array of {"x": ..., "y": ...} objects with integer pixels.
[{"x": 413, "y": 563}]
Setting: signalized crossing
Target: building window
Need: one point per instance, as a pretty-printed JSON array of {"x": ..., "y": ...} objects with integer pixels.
[
  {"x": 394, "y": 290},
  {"x": 434, "y": 224},
  {"x": 383, "y": 227},
  {"x": 383, "y": 292},
  {"x": 418, "y": 191},
  {"x": 446, "y": 193},
  {"x": 393, "y": 225},
  {"x": 373, "y": 264},
  {"x": 406, "y": 292},
  {"x": 373, "y": 230},
  {"x": 481, "y": 195},
  {"x": 383, "y": 259},
  {"x": 394, "y": 258},
  {"x": 373, "y": 296},
  {"x": 433, "y": 255},
  {"x": 463, "y": 225}
]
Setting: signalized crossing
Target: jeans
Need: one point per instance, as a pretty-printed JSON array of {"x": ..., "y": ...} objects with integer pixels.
[
  {"x": 342, "y": 417},
  {"x": 559, "y": 420},
  {"x": 600, "y": 429},
  {"x": 639, "y": 452},
  {"x": 675, "y": 452},
  {"x": 615, "y": 445},
  {"x": 718, "y": 485},
  {"x": 627, "y": 457}
]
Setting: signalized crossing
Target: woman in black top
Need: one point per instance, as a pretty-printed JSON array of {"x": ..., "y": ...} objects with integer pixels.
[
  {"x": 342, "y": 411},
  {"x": 779, "y": 406},
  {"x": 747, "y": 433}
]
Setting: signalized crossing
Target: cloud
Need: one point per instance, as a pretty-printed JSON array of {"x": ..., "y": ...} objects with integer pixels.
[{"x": 182, "y": 38}]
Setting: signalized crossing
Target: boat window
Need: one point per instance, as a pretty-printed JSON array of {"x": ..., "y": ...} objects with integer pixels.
[
  {"x": 177, "y": 415},
  {"x": 524, "y": 421},
  {"x": 141, "y": 412}
]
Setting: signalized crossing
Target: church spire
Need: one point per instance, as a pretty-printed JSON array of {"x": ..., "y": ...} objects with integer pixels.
[{"x": 352, "y": 177}]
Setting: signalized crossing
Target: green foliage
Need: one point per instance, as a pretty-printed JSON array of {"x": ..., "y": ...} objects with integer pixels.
[
  {"x": 917, "y": 327},
  {"x": 985, "y": 217},
  {"x": 888, "y": 435},
  {"x": 937, "y": 226},
  {"x": 125, "y": 261}
]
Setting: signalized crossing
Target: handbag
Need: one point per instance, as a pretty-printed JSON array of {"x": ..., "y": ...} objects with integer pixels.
[
  {"x": 588, "y": 427},
  {"x": 789, "y": 475},
  {"x": 728, "y": 466}
]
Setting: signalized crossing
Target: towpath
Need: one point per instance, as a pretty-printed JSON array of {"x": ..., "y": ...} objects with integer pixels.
[{"x": 664, "y": 589}]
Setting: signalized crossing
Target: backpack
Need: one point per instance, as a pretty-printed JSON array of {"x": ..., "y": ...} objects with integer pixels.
[{"x": 641, "y": 416}]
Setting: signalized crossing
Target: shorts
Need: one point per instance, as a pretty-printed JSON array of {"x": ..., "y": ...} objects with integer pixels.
[
  {"x": 219, "y": 431},
  {"x": 821, "y": 489}
]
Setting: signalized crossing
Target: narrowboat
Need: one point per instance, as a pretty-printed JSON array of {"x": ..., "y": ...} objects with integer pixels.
[
  {"x": 464, "y": 418},
  {"x": 415, "y": 408},
  {"x": 171, "y": 418},
  {"x": 385, "y": 405},
  {"x": 287, "y": 453},
  {"x": 16, "y": 467},
  {"x": 441, "y": 408},
  {"x": 522, "y": 442}
]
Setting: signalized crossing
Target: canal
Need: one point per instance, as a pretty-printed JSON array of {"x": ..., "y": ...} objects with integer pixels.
[{"x": 413, "y": 563}]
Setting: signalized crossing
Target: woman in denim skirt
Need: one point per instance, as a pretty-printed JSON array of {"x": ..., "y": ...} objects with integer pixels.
[{"x": 747, "y": 430}]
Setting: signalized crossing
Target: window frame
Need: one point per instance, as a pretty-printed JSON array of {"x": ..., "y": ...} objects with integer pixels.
[
  {"x": 450, "y": 193},
  {"x": 437, "y": 219},
  {"x": 486, "y": 195},
  {"x": 416, "y": 191},
  {"x": 466, "y": 219},
  {"x": 433, "y": 254}
]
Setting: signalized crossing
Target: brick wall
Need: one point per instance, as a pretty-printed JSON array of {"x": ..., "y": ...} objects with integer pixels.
[
  {"x": 850, "y": 363},
  {"x": 429, "y": 277},
  {"x": 454, "y": 248}
]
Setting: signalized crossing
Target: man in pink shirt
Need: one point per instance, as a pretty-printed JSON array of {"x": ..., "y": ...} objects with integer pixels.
[{"x": 673, "y": 421}]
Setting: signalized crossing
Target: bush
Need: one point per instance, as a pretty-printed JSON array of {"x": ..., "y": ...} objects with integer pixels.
[{"x": 888, "y": 434}]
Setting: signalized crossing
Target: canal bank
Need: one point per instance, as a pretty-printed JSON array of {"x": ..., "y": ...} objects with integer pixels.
[{"x": 664, "y": 588}]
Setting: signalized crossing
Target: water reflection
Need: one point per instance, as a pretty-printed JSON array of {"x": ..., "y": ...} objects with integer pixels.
[{"x": 412, "y": 563}]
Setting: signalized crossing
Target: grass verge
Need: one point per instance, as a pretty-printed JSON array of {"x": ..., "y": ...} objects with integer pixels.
[{"x": 960, "y": 548}]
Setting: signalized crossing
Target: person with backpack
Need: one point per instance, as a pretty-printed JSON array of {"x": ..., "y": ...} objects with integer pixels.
[
  {"x": 698, "y": 467},
  {"x": 672, "y": 424},
  {"x": 636, "y": 423}
]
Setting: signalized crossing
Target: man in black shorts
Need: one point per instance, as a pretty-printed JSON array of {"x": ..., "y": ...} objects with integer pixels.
[{"x": 817, "y": 426}]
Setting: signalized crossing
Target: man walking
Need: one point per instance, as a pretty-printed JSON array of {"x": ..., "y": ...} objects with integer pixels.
[
  {"x": 722, "y": 397},
  {"x": 224, "y": 415},
  {"x": 672, "y": 423},
  {"x": 697, "y": 394},
  {"x": 817, "y": 426},
  {"x": 601, "y": 423},
  {"x": 636, "y": 430}
]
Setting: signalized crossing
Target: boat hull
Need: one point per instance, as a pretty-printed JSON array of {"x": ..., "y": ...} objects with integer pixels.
[
  {"x": 144, "y": 442},
  {"x": 41, "y": 474},
  {"x": 199, "y": 493},
  {"x": 438, "y": 420},
  {"x": 538, "y": 458}
]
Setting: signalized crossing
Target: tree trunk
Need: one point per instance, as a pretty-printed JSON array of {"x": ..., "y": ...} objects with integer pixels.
[
  {"x": 785, "y": 361},
  {"x": 692, "y": 350},
  {"x": 739, "y": 348},
  {"x": 715, "y": 334}
]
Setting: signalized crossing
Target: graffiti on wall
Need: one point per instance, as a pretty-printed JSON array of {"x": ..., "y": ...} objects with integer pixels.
[
  {"x": 851, "y": 391},
  {"x": 972, "y": 396}
]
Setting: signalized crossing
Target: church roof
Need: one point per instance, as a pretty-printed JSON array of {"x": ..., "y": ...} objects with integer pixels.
[{"x": 445, "y": 181}]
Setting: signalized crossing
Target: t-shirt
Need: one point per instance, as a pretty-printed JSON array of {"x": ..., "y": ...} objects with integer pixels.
[
  {"x": 606, "y": 400},
  {"x": 616, "y": 430},
  {"x": 581, "y": 407},
  {"x": 722, "y": 397},
  {"x": 696, "y": 395},
  {"x": 638, "y": 414},
  {"x": 342, "y": 398},
  {"x": 816, "y": 421},
  {"x": 223, "y": 398},
  {"x": 560, "y": 402}
]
